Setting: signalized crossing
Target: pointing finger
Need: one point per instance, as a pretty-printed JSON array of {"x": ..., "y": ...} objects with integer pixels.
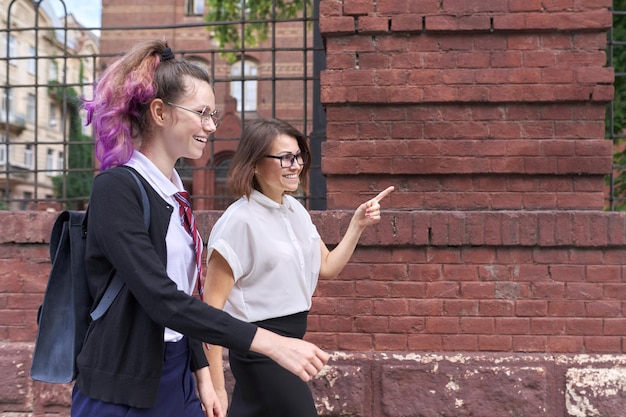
[{"x": 384, "y": 193}]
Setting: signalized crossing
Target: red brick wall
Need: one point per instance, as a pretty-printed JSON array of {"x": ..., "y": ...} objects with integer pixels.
[
  {"x": 494, "y": 286},
  {"x": 459, "y": 313},
  {"x": 510, "y": 281},
  {"x": 467, "y": 105}
]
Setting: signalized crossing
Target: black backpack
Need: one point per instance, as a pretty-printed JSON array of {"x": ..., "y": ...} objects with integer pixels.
[{"x": 65, "y": 314}]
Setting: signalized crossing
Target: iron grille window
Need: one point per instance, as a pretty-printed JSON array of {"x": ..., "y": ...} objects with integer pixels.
[
  {"x": 51, "y": 149},
  {"x": 195, "y": 7},
  {"x": 244, "y": 85}
]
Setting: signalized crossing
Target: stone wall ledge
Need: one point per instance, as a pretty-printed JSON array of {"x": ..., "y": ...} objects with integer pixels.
[
  {"x": 549, "y": 228},
  {"x": 394, "y": 384}
]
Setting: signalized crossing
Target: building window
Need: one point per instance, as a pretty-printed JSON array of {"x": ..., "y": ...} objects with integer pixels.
[
  {"x": 32, "y": 63},
  {"x": 53, "y": 71},
  {"x": 50, "y": 162},
  {"x": 52, "y": 115},
  {"x": 30, "y": 108},
  {"x": 60, "y": 163},
  {"x": 195, "y": 7},
  {"x": 7, "y": 100},
  {"x": 244, "y": 84},
  {"x": 3, "y": 150},
  {"x": 12, "y": 49},
  {"x": 28, "y": 156}
]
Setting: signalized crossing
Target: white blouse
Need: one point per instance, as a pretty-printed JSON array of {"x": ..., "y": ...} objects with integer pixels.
[
  {"x": 181, "y": 252},
  {"x": 274, "y": 253}
]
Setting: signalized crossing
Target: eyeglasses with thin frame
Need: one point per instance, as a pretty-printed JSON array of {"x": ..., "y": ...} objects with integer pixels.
[
  {"x": 287, "y": 160},
  {"x": 204, "y": 118}
]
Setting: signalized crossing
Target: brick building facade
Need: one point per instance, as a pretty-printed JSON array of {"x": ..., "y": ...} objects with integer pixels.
[
  {"x": 495, "y": 285},
  {"x": 274, "y": 72}
]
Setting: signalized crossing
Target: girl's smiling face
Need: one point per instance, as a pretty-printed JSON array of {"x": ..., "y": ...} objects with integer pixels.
[
  {"x": 189, "y": 135},
  {"x": 271, "y": 177}
]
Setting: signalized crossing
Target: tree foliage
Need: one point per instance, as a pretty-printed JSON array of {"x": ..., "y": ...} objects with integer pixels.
[
  {"x": 77, "y": 182},
  {"x": 234, "y": 18},
  {"x": 616, "y": 117}
]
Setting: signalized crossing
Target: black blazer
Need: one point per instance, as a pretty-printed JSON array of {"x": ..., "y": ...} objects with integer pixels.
[{"x": 121, "y": 360}]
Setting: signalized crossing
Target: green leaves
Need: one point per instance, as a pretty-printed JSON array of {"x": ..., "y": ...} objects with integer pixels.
[
  {"x": 75, "y": 184},
  {"x": 241, "y": 24},
  {"x": 616, "y": 110}
]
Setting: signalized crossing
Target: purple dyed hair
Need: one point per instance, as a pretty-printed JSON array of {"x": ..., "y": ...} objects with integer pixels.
[{"x": 122, "y": 97}]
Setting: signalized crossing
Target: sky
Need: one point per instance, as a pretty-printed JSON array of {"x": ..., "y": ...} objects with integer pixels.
[{"x": 86, "y": 12}]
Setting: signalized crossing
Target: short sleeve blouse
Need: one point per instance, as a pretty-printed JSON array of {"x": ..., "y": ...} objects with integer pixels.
[{"x": 275, "y": 255}]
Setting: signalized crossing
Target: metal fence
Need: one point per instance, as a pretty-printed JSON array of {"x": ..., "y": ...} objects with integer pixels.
[
  {"x": 616, "y": 110},
  {"x": 47, "y": 64},
  {"x": 42, "y": 67}
]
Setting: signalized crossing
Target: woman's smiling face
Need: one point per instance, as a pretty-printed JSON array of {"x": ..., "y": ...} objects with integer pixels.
[
  {"x": 189, "y": 134},
  {"x": 272, "y": 178}
]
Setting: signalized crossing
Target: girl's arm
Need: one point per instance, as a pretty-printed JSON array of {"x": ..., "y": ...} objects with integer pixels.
[
  {"x": 365, "y": 215},
  {"x": 210, "y": 402},
  {"x": 218, "y": 283}
]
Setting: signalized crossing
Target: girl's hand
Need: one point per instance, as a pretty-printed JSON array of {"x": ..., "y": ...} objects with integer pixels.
[
  {"x": 222, "y": 396},
  {"x": 208, "y": 397},
  {"x": 300, "y": 357},
  {"x": 368, "y": 213}
]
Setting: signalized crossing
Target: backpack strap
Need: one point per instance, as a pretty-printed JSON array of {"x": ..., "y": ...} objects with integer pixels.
[
  {"x": 116, "y": 283},
  {"x": 57, "y": 231}
]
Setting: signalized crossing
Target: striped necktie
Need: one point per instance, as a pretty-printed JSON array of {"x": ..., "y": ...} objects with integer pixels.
[{"x": 187, "y": 220}]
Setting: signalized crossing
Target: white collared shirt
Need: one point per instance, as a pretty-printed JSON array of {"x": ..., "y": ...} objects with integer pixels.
[
  {"x": 274, "y": 252},
  {"x": 181, "y": 258}
]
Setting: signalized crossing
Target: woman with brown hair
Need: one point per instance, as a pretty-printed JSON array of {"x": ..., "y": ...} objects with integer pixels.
[{"x": 265, "y": 257}]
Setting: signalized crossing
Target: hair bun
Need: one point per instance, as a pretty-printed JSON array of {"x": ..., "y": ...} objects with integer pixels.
[{"x": 167, "y": 54}]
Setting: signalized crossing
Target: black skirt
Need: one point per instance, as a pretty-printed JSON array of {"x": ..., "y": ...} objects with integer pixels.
[{"x": 265, "y": 389}]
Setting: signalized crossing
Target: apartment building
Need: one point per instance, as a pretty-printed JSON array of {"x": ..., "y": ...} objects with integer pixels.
[{"x": 44, "y": 62}]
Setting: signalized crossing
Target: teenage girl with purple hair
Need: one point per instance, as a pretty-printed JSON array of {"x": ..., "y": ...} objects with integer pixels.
[{"x": 144, "y": 357}]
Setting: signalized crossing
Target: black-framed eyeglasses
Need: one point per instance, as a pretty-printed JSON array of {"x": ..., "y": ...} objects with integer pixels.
[
  {"x": 215, "y": 115},
  {"x": 287, "y": 160}
]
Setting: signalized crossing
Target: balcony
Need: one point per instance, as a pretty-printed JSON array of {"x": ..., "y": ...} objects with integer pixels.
[
  {"x": 14, "y": 175},
  {"x": 16, "y": 122}
]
